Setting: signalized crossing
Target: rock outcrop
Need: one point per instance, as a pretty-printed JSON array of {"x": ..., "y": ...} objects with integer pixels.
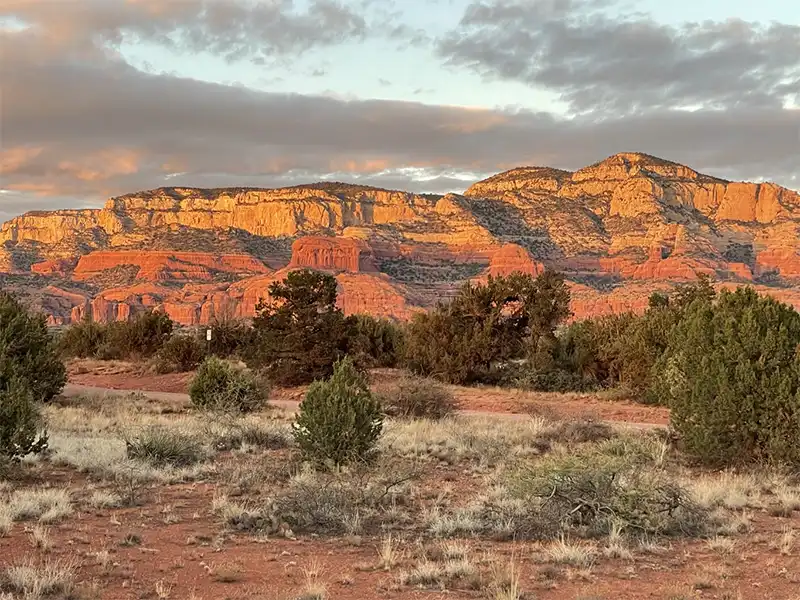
[
  {"x": 618, "y": 229},
  {"x": 168, "y": 266},
  {"x": 512, "y": 258},
  {"x": 333, "y": 254}
]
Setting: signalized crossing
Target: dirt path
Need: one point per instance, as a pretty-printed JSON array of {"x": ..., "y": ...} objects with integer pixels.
[{"x": 72, "y": 390}]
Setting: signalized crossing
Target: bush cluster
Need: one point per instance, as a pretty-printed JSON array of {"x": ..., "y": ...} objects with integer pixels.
[
  {"x": 486, "y": 327},
  {"x": 297, "y": 335},
  {"x": 180, "y": 353},
  {"x": 731, "y": 375},
  {"x": 140, "y": 337}
]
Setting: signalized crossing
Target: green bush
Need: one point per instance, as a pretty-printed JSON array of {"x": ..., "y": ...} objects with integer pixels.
[
  {"x": 731, "y": 375},
  {"x": 620, "y": 350},
  {"x": 339, "y": 421},
  {"x": 219, "y": 385},
  {"x": 140, "y": 337},
  {"x": 83, "y": 339},
  {"x": 180, "y": 353},
  {"x": 473, "y": 337},
  {"x": 28, "y": 353},
  {"x": 162, "y": 447},
  {"x": 299, "y": 332},
  {"x": 421, "y": 398},
  {"x": 229, "y": 337},
  {"x": 550, "y": 379},
  {"x": 20, "y": 423},
  {"x": 376, "y": 342}
]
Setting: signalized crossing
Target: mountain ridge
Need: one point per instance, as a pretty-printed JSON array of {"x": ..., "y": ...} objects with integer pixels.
[{"x": 629, "y": 223}]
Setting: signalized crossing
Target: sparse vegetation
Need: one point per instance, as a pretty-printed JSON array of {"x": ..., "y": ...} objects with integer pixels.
[{"x": 434, "y": 498}]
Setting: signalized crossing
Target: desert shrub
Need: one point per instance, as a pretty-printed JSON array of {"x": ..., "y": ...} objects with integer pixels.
[
  {"x": 180, "y": 353},
  {"x": 486, "y": 326},
  {"x": 339, "y": 421},
  {"x": 731, "y": 375},
  {"x": 229, "y": 337},
  {"x": 375, "y": 342},
  {"x": 28, "y": 353},
  {"x": 83, "y": 339},
  {"x": 219, "y": 385},
  {"x": 140, "y": 337},
  {"x": 549, "y": 379},
  {"x": 162, "y": 447},
  {"x": 20, "y": 423},
  {"x": 589, "y": 493},
  {"x": 299, "y": 332},
  {"x": 348, "y": 500},
  {"x": 422, "y": 398}
]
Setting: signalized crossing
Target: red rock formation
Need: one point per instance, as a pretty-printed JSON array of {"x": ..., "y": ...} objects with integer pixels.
[
  {"x": 633, "y": 219},
  {"x": 166, "y": 265},
  {"x": 511, "y": 258},
  {"x": 58, "y": 267},
  {"x": 332, "y": 254},
  {"x": 785, "y": 261}
]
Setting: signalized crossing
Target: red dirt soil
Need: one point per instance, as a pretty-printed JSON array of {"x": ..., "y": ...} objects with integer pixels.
[
  {"x": 192, "y": 559},
  {"x": 129, "y": 376}
]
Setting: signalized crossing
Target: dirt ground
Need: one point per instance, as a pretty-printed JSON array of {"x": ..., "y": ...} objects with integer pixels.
[
  {"x": 130, "y": 376},
  {"x": 172, "y": 545}
]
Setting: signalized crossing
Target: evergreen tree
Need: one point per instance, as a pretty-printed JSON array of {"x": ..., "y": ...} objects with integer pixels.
[
  {"x": 731, "y": 375},
  {"x": 299, "y": 332}
]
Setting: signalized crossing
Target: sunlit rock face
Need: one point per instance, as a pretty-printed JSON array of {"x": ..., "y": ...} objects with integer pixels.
[{"x": 618, "y": 230}]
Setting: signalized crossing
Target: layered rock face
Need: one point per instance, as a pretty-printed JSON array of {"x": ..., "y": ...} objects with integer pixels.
[{"x": 618, "y": 229}]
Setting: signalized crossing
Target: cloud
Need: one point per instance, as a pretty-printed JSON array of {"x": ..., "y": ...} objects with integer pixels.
[
  {"x": 611, "y": 64},
  {"x": 233, "y": 29},
  {"x": 81, "y": 123}
]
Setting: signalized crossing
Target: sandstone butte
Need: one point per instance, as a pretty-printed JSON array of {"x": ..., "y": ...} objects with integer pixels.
[{"x": 618, "y": 229}]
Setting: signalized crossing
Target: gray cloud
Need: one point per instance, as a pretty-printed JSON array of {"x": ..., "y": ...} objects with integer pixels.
[
  {"x": 612, "y": 64},
  {"x": 233, "y": 29},
  {"x": 88, "y": 125}
]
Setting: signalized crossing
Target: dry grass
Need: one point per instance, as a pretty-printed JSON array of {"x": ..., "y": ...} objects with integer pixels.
[
  {"x": 504, "y": 582},
  {"x": 35, "y": 581},
  {"x": 723, "y": 545},
  {"x": 388, "y": 554},
  {"x": 48, "y": 505},
  {"x": 565, "y": 552},
  {"x": 484, "y": 440},
  {"x": 785, "y": 543},
  {"x": 40, "y": 537},
  {"x": 314, "y": 588},
  {"x": 104, "y": 499}
]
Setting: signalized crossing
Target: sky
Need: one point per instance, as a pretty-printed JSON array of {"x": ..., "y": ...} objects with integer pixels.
[{"x": 105, "y": 97}]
